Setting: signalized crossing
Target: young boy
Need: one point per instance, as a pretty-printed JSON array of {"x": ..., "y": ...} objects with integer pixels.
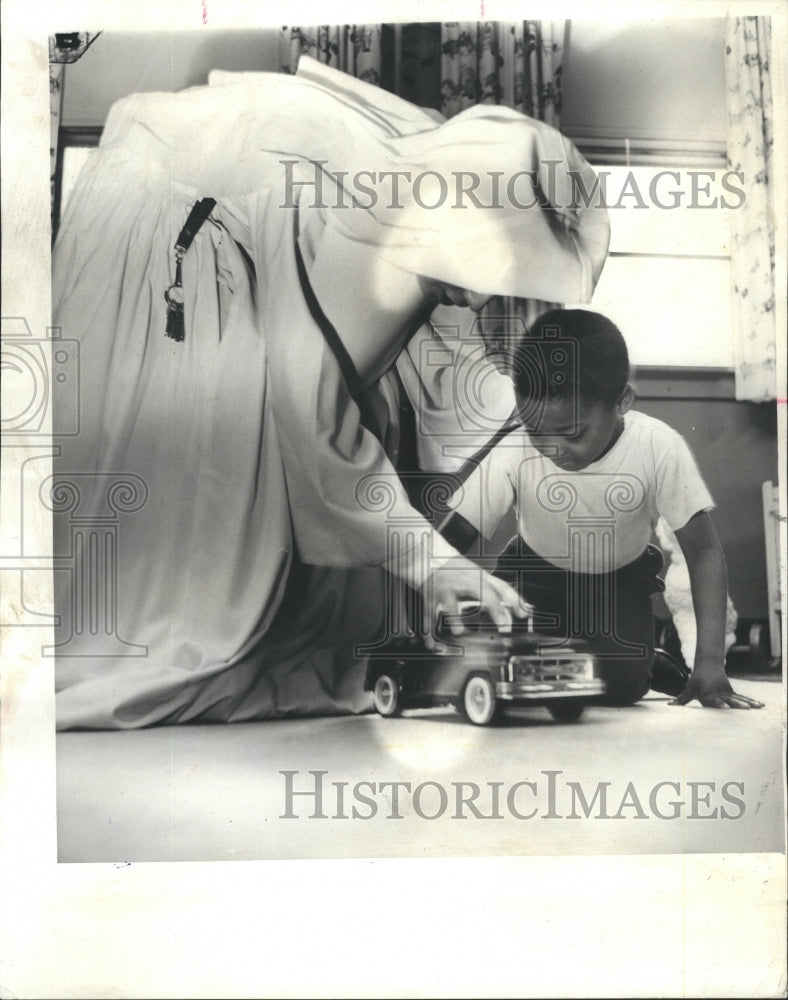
[{"x": 588, "y": 478}]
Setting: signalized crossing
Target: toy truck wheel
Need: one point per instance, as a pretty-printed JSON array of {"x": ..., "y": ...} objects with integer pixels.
[
  {"x": 479, "y": 703},
  {"x": 385, "y": 696},
  {"x": 567, "y": 711}
]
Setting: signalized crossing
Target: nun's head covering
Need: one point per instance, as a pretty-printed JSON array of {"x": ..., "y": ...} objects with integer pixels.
[{"x": 490, "y": 200}]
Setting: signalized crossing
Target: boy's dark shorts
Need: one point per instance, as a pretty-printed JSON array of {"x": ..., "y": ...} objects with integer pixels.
[{"x": 612, "y": 611}]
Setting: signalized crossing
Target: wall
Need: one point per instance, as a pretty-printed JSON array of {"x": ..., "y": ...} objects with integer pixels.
[
  {"x": 660, "y": 80},
  {"x": 625, "y": 79},
  {"x": 121, "y": 63},
  {"x": 735, "y": 445}
]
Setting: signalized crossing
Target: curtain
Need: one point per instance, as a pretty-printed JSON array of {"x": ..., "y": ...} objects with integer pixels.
[
  {"x": 516, "y": 63},
  {"x": 353, "y": 48},
  {"x": 418, "y": 72},
  {"x": 750, "y": 147}
]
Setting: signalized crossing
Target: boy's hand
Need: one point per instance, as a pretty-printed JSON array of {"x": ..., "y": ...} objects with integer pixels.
[
  {"x": 706, "y": 565},
  {"x": 713, "y": 692}
]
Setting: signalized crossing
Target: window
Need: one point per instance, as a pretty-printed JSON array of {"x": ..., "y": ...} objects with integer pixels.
[
  {"x": 74, "y": 147},
  {"x": 667, "y": 280}
]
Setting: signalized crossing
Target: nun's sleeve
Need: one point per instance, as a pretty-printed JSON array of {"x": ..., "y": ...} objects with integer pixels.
[{"x": 347, "y": 504}]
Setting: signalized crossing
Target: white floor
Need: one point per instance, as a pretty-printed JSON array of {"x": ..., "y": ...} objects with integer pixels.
[{"x": 217, "y": 792}]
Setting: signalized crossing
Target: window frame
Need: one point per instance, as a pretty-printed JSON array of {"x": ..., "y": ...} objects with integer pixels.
[
  {"x": 69, "y": 137},
  {"x": 661, "y": 380}
]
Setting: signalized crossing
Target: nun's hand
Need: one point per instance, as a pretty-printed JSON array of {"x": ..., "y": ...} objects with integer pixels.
[{"x": 461, "y": 581}]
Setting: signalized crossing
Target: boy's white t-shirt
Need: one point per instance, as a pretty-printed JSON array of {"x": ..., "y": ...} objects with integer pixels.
[{"x": 599, "y": 518}]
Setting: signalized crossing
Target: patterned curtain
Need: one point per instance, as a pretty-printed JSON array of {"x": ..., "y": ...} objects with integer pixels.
[
  {"x": 750, "y": 147},
  {"x": 353, "y": 48},
  {"x": 516, "y": 63}
]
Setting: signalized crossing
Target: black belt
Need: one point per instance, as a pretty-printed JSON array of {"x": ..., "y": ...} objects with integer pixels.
[
  {"x": 338, "y": 349},
  {"x": 174, "y": 294}
]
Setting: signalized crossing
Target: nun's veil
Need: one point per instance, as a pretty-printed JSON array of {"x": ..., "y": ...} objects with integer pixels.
[{"x": 489, "y": 200}]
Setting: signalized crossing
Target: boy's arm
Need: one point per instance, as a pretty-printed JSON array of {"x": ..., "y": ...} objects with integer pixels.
[{"x": 708, "y": 578}]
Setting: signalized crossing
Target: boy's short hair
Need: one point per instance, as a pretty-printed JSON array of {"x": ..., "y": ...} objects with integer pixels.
[{"x": 572, "y": 353}]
